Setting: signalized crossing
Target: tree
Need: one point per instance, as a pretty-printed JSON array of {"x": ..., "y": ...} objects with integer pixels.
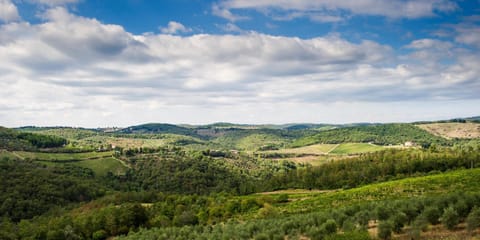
[
  {"x": 385, "y": 229},
  {"x": 432, "y": 214},
  {"x": 450, "y": 218},
  {"x": 473, "y": 219}
]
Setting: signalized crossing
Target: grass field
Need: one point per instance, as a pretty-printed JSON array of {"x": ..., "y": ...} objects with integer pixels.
[
  {"x": 100, "y": 162},
  {"x": 102, "y": 166},
  {"x": 353, "y": 148},
  {"x": 317, "y": 149},
  {"x": 61, "y": 156}
]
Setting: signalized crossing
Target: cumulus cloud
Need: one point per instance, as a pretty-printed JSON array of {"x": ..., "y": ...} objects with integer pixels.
[
  {"x": 329, "y": 10},
  {"x": 175, "y": 27},
  {"x": 83, "y": 71},
  {"x": 8, "y": 11}
]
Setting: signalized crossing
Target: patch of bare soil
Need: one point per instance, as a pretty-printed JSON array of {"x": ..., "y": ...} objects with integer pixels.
[{"x": 453, "y": 130}]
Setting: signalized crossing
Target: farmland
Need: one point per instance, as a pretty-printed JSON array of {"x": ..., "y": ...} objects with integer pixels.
[{"x": 451, "y": 130}]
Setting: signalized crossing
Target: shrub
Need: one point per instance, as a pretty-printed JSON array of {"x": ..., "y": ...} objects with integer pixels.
[
  {"x": 473, "y": 219},
  {"x": 432, "y": 214},
  {"x": 329, "y": 227},
  {"x": 99, "y": 235},
  {"x": 398, "y": 220},
  {"x": 385, "y": 230},
  {"x": 450, "y": 218}
]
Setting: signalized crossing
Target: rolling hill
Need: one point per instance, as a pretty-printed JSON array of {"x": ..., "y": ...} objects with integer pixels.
[{"x": 384, "y": 134}]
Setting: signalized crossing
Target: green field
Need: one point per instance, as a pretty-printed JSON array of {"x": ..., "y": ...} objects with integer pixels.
[
  {"x": 352, "y": 148},
  {"x": 41, "y": 156},
  {"x": 317, "y": 149},
  {"x": 100, "y": 162},
  {"x": 102, "y": 166}
]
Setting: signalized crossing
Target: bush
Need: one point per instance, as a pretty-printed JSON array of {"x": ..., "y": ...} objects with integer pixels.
[
  {"x": 282, "y": 198},
  {"x": 398, "y": 220},
  {"x": 432, "y": 214},
  {"x": 329, "y": 227},
  {"x": 99, "y": 235},
  {"x": 450, "y": 218},
  {"x": 473, "y": 219},
  {"x": 385, "y": 230}
]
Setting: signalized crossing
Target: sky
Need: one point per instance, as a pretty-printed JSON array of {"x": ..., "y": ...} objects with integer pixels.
[{"x": 126, "y": 62}]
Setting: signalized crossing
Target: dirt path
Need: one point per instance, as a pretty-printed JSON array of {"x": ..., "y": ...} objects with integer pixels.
[
  {"x": 329, "y": 151},
  {"x": 296, "y": 191},
  {"x": 18, "y": 155}
]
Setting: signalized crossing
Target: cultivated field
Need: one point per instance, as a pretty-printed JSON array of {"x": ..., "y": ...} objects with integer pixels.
[
  {"x": 453, "y": 130},
  {"x": 354, "y": 148}
]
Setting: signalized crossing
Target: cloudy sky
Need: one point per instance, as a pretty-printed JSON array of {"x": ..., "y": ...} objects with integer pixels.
[{"x": 124, "y": 62}]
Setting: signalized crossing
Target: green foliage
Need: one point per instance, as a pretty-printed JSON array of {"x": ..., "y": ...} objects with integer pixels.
[
  {"x": 398, "y": 220},
  {"x": 159, "y": 128},
  {"x": 450, "y": 218},
  {"x": 100, "y": 235},
  {"x": 385, "y": 229},
  {"x": 432, "y": 214},
  {"x": 379, "y": 134},
  {"x": 374, "y": 167},
  {"x": 14, "y": 140},
  {"x": 29, "y": 189},
  {"x": 473, "y": 219},
  {"x": 351, "y": 148}
]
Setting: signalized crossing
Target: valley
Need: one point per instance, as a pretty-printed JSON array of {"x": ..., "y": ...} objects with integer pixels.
[{"x": 228, "y": 181}]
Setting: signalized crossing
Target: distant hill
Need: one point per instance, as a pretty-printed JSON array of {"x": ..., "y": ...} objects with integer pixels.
[
  {"x": 159, "y": 128},
  {"x": 14, "y": 140},
  {"x": 473, "y": 119},
  {"x": 70, "y": 133},
  {"x": 383, "y": 134}
]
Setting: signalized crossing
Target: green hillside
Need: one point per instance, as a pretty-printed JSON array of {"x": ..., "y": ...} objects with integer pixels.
[
  {"x": 384, "y": 134},
  {"x": 224, "y": 182},
  {"x": 158, "y": 128},
  {"x": 15, "y": 140}
]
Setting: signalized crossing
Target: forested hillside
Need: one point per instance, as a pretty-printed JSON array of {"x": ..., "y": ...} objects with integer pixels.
[
  {"x": 383, "y": 134},
  {"x": 14, "y": 140}
]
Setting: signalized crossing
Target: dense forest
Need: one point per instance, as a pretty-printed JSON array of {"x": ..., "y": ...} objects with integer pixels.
[{"x": 13, "y": 140}]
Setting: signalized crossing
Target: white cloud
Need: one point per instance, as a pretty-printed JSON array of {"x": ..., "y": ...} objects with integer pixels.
[
  {"x": 226, "y": 13},
  {"x": 175, "y": 27},
  {"x": 468, "y": 34},
  {"x": 321, "y": 10},
  {"x": 72, "y": 70},
  {"x": 55, "y": 2},
  {"x": 8, "y": 11},
  {"x": 230, "y": 27}
]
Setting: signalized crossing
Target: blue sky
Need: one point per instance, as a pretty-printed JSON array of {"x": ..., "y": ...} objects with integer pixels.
[{"x": 124, "y": 62}]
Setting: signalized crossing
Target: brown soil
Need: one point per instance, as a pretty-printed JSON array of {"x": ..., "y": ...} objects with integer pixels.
[{"x": 453, "y": 130}]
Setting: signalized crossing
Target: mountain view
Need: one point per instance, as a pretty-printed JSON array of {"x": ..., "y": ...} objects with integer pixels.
[{"x": 239, "y": 119}]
